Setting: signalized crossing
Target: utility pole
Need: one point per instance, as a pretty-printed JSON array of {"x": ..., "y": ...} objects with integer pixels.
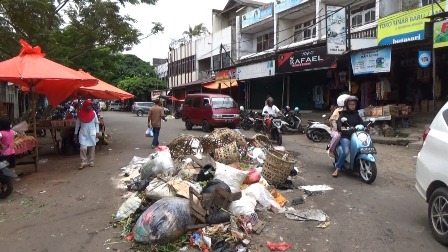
[{"x": 220, "y": 63}]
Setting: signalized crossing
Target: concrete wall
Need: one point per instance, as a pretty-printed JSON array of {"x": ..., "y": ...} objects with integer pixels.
[
  {"x": 246, "y": 44},
  {"x": 389, "y": 7},
  {"x": 223, "y": 37},
  {"x": 285, "y": 34},
  {"x": 204, "y": 47}
]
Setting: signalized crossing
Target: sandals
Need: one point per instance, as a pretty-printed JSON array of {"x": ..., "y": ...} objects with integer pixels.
[{"x": 335, "y": 173}]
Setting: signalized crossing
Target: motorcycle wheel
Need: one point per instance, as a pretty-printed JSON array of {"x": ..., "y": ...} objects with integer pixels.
[
  {"x": 6, "y": 186},
  {"x": 41, "y": 133},
  {"x": 279, "y": 139},
  {"x": 367, "y": 171},
  {"x": 308, "y": 134},
  {"x": 316, "y": 136},
  {"x": 257, "y": 129},
  {"x": 246, "y": 126}
]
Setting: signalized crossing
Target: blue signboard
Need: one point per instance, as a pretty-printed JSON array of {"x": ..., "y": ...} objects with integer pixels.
[
  {"x": 371, "y": 61},
  {"x": 257, "y": 15},
  {"x": 282, "y": 5},
  {"x": 424, "y": 58}
]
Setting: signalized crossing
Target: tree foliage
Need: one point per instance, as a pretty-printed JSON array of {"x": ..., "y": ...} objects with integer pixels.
[
  {"x": 197, "y": 31},
  {"x": 77, "y": 33},
  {"x": 141, "y": 86}
]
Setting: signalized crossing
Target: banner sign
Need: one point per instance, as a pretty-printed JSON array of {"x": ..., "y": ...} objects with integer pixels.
[
  {"x": 155, "y": 94},
  {"x": 258, "y": 70},
  {"x": 424, "y": 58},
  {"x": 336, "y": 30},
  {"x": 405, "y": 26},
  {"x": 226, "y": 76},
  {"x": 257, "y": 15},
  {"x": 282, "y": 5},
  {"x": 441, "y": 34},
  {"x": 371, "y": 61},
  {"x": 312, "y": 59}
]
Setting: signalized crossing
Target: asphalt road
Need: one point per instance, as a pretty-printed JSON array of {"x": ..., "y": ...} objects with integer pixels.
[{"x": 63, "y": 209}]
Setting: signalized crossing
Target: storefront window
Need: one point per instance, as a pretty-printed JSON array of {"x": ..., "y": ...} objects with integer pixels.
[
  {"x": 363, "y": 15},
  {"x": 265, "y": 42}
]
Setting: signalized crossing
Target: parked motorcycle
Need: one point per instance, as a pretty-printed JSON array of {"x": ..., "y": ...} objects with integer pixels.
[
  {"x": 292, "y": 123},
  {"x": 259, "y": 125},
  {"x": 6, "y": 180},
  {"x": 247, "y": 120},
  {"x": 317, "y": 131},
  {"x": 361, "y": 157}
]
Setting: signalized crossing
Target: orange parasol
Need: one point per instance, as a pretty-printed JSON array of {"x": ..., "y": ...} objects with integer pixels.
[{"x": 102, "y": 90}]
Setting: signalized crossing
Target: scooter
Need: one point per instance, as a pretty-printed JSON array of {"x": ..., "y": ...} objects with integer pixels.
[
  {"x": 6, "y": 180},
  {"x": 317, "y": 131},
  {"x": 275, "y": 125},
  {"x": 247, "y": 120},
  {"x": 292, "y": 123},
  {"x": 362, "y": 153}
]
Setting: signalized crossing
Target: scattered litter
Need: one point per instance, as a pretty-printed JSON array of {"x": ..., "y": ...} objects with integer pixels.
[
  {"x": 316, "y": 188},
  {"x": 110, "y": 149},
  {"x": 287, "y": 185},
  {"x": 43, "y": 161},
  {"x": 278, "y": 246},
  {"x": 137, "y": 148},
  {"x": 278, "y": 197},
  {"x": 297, "y": 201},
  {"x": 128, "y": 207},
  {"x": 306, "y": 214},
  {"x": 324, "y": 225},
  {"x": 42, "y": 192}
]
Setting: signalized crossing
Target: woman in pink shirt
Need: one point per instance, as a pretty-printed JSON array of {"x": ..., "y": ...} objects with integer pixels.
[{"x": 7, "y": 143}]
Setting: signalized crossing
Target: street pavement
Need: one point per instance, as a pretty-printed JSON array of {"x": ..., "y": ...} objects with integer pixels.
[{"x": 63, "y": 209}]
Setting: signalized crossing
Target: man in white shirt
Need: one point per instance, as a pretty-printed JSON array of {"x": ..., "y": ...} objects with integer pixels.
[{"x": 271, "y": 108}]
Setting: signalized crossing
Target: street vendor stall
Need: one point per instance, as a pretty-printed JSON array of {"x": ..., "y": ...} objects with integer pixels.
[
  {"x": 395, "y": 115},
  {"x": 31, "y": 70}
]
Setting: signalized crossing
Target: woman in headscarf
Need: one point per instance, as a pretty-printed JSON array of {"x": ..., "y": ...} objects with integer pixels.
[{"x": 87, "y": 125}]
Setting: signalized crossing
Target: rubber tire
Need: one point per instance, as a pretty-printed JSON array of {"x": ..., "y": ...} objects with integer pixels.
[
  {"x": 374, "y": 172},
  {"x": 43, "y": 134},
  {"x": 246, "y": 126},
  {"x": 257, "y": 129},
  {"x": 205, "y": 126},
  {"x": 318, "y": 139},
  {"x": 8, "y": 181},
  {"x": 279, "y": 139},
  {"x": 308, "y": 134},
  {"x": 188, "y": 125},
  {"x": 140, "y": 113},
  {"x": 442, "y": 191},
  {"x": 112, "y": 109}
]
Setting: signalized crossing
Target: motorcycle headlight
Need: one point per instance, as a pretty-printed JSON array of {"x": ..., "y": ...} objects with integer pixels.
[{"x": 363, "y": 138}]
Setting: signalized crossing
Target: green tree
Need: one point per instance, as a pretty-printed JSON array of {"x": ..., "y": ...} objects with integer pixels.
[
  {"x": 141, "y": 87},
  {"x": 88, "y": 26},
  {"x": 197, "y": 31}
]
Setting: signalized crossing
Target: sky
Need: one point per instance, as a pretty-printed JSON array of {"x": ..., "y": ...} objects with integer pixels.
[{"x": 175, "y": 16}]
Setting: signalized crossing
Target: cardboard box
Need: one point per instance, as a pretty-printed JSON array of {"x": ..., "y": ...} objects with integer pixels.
[
  {"x": 368, "y": 111},
  {"x": 390, "y": 110},
  {"x": 377, "y": 111}
]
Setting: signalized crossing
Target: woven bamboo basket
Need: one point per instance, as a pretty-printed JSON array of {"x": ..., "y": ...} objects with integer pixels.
[
  {"x": 227, "y": 154},
  {"x": 184, "y": 145},
  {"x": 259, "y": 141},
  {"x": 277, "y": 167},
  {"x": 221, "y": 137}
]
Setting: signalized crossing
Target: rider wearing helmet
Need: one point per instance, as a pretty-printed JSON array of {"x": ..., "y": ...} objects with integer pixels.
[
  {"x": 353, "y": 119},
  {"x": 335, "y": 136}
]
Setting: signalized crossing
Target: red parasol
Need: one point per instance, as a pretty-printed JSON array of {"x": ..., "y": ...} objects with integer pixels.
[{"x": 102, "y": 90}]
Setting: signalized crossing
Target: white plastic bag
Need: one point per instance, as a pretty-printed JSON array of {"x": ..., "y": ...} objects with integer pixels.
[
  {"x": 21, "y": 127},
  {"x": 233, "y": 177},
  {"x": 263, "y": 196},
  {"x": 244, "y": 206},
  {"x": 128, "y": 207},
  {"x": 160, "y": 163},
  {"x": 158, "y": 189}
]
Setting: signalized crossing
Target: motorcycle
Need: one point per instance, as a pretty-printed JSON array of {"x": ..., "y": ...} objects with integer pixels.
[
  {"x": 275, "y": 125},
  {"x": 259, "y": 125},
  {"x": 6, "y": 180},
  {"x": 292, "y": 123},
  {"x": 317, "y": 131},
  {"x": 362, "y": 153},
  {"x": 247, "y": 120}
]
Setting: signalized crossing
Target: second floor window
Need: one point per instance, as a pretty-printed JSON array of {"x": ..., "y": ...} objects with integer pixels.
[
  {"x": 305, "y": 31},
  {"x": 426, "y": 2},
  {"x": 362, "y": 15},
  {"x": 265, "y": 42}
]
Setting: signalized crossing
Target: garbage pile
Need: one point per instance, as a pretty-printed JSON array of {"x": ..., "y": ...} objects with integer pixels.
[{"x": 204, "y": 191}]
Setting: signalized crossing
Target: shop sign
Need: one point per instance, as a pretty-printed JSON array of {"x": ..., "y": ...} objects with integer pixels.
[
  {"x": 155, "y": 94},
  {"x": 226, "y": 76},
  {"x": 282, "y": 5},
  {"x": 405, "y": 26},
  {"x": 311, "y": 59},
  {"x": 371, "y": 61},
  {"x": 441, "y": 34},
  {"x": 424, "y": 58},
  {"x": 336, "y": 30},
  {"x": 258, "y": 70},
  {"x": 257, "y": 15}
]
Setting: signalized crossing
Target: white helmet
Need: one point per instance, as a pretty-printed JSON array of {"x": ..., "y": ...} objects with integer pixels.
[
  {"x": 341, "y": 99},
  {"x": 241, "y": 108}
]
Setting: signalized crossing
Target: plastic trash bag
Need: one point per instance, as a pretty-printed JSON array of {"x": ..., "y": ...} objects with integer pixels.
[
  {"x": 164, "y": 221},
  {"x": 21, "y": 127},
  {"x": 158, "y": 189},
  {"x": 244, "y": 206},
  {"x": 128, "y": 207},
  {"x": 232, "y": 177},
  {"x": 149, "y": 132},
  {"x": 159, "y": 163},
  {"x": 253, "y": 176},
  {"x": 263, "y": 196}
]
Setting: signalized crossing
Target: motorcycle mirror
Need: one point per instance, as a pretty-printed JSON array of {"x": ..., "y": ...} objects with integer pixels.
[
  {"x": 372, "y": 120},
  {"x": 343, "y": 119}
]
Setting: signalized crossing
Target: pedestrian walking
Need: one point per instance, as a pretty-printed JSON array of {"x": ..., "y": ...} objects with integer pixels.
[
  {"x": 87, "y": 125},
  {"x": 7, "y": 152},
  {"x": 155, "y": 117}
]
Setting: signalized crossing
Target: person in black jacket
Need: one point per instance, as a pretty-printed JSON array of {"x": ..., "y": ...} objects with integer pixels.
[{"x": 353, "y": 119}]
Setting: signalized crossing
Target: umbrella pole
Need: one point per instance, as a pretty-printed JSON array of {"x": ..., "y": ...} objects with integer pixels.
[{"x": 33, "y": 108}]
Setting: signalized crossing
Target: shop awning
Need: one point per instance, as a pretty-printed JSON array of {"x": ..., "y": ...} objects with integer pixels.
[{"x": 224, "y": 84}]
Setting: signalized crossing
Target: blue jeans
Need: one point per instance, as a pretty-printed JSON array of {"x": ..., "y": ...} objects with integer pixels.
[
  {"x": 345, "y": 144},
  {"x": 155, "y": 140}
]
